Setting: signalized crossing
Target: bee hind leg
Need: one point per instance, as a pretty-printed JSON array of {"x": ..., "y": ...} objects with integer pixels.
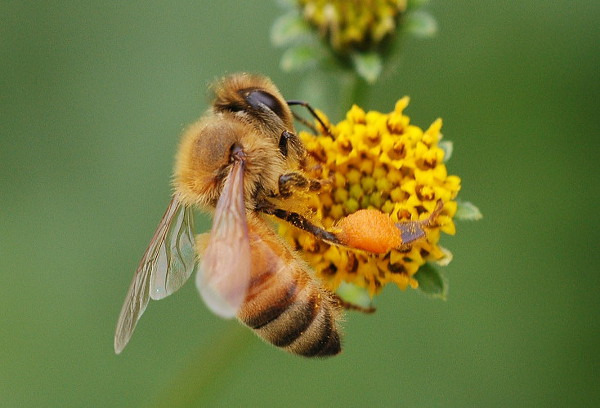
[
  {"x": 301, "y": 222},
  {"x": 351, "y": 306}
]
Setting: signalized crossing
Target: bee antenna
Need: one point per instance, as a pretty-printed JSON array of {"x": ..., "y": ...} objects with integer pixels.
[
  {"x": 312, "y": 112},
  {"x": 305, "y": 123}
]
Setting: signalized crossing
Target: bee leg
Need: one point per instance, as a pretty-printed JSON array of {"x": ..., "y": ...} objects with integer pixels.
[
  {"x": 296, "y": 181},
  {"x": 313, "y": 113},
  {"x": 301, "y": 222},
  {"x": 290, "y": 144},
  {"x": 351, "y": 306}
]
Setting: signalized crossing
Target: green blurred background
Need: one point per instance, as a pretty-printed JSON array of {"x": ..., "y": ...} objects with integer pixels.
[{"x": 93, "y": 98}]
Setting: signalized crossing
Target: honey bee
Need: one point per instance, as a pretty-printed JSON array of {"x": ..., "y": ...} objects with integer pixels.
[{"x": 242, "y": 160}]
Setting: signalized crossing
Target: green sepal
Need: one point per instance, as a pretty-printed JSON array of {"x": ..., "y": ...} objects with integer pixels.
[
  {"x": 432, "y": 281},
  {"x": 289, "y": 29},
  {"x": 367, "y": 65},
  {"x": 298, "y": 58},
  {"x": 354, "y": 295},
  {"x": 420, "y": 24},
  {"x": 447, "y": 146},
  {"x": 466, "y": 210}
]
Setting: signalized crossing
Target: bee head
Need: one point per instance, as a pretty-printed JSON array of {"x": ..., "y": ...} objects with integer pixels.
[{"x": 253, "y": 99}]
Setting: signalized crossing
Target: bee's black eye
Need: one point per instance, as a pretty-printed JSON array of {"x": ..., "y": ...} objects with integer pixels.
[{"x": 258, "y": 99}]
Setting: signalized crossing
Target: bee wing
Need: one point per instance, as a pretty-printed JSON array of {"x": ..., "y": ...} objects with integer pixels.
[
  {"x": 224, "y": 272},
  {"x": 167, "y": 263},
  {"x": 174, "y": 260}
]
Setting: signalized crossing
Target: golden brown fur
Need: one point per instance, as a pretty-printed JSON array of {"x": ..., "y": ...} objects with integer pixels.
[{"x": 204, "y": 155}]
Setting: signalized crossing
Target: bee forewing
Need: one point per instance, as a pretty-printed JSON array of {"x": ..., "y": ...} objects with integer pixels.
[
  {"x": 176, "y": 258},
  {"x": 165, "y": 266},
  {"x": 133, "y": 307},
  {"x": 224, "y": 272}
]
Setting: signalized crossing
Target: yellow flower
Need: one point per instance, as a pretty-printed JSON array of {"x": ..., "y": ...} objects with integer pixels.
[
  {"x": 353, "y": 24},
  {"x": 382, "y": 162}
]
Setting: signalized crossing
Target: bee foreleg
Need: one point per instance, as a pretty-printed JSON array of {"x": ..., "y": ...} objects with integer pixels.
[
  {"x": 283, "y": 142},
  {"x": 296, "y": 181}
]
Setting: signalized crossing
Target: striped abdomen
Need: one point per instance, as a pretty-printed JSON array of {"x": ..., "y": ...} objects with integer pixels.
[{"x": 285, "y": 305}]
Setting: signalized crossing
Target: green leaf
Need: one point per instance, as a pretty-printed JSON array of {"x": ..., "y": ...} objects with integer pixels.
[
  {"x": 354, "y": 295},
  {"x": 447, "y": 147},
  {"x": 432, "y": 281},
  {"x": 367, "y": 65},
  {"x": 298, "y": 58},
  {"x": 467, "y": 211},
  {"x": 288, "y": 29},
  {"x": 420, "y": 24}
]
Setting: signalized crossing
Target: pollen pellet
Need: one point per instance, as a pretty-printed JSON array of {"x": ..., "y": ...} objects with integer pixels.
[{"x": 370, "y": 230}]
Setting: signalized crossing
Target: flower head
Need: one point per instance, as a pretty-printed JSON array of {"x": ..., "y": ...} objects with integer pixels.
[
  {"x": 353, "y": 24},
  {"x": 381, "y": 162},
  {"x": 342, "y": 35}
]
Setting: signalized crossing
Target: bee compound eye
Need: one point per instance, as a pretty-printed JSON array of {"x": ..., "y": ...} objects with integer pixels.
[{"x": 260, "y": 99}]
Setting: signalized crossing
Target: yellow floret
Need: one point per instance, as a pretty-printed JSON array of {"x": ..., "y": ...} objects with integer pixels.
[{"x": 377, "y": 161}]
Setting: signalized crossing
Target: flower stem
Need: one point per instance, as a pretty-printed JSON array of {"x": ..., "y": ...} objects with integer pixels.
[
  {"x": 357, "y": 90},
  {"x": 199, "y": 382}
]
